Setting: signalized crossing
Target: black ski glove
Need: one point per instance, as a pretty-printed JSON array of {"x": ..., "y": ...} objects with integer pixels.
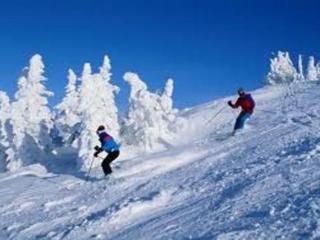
[
  {"x": 98, "y": 150},
  {"x": 230, "y": 103}
]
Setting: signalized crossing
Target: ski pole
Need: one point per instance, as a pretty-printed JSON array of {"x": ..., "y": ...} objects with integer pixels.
[
  {"x": 211, "y": 119},
  {"x": 89, "y": 170}
]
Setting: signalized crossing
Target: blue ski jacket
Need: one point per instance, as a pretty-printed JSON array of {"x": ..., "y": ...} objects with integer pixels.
[{"x": 107, "y": 142}]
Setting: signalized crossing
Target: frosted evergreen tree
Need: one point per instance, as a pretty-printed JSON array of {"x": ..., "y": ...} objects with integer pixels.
[
  {"x": 97, "y": 107},
  {"x": 282, "y": 70},
  {"x": 143, "y": 111},
  {"x": 150, "y": 115},
  {"x": 312, "y": 74},
  {"x": 30, "y": 117},
  {"x": 300, "y": 67},
  {"x": 318, "y": 71},
  {"x": 166, "y": 97},
  {"x": 67, "y": 113},
  {"x": 4, "y": 144},
  {"x": 87, "y": 137},
  {"x": 107, "y": 98}
]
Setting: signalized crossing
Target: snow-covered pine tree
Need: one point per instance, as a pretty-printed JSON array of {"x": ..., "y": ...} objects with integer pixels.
[
  {"x": 142, "y": 116},
  {"x": 87, "y": 132},
  {"x": 97, "y": 107},
  {"x": 300, "y": 69},
  {"x": 174, "y": 122},
  {"x": 30, "y": 117},
  {"x": 67, "y": 112},
  {"x": 150, "y": 115},
  {"x": 4, "y": 144},
  {"x": 106, "y": 96},
  {"x": 166, "y": 97},
  {"x": 312, "y": 74},
  {"x": 282, "y": 70},
  {"x": 318, "y": 71}
]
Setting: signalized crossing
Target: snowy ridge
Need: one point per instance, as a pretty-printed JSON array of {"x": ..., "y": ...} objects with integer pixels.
[{"x": 264, "y": 183}]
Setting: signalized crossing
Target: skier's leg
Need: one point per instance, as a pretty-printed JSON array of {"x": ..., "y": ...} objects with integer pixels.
[
  {"x": 107, "y": 169},
  {"x": 241, "y": 120},
  {"x": 106, "y": 162},
  {"x": 239, "y": 123},
  {"x": 245, "y": 117},
  {"x": 113, "y": 156},
  {"x": 105, "y": 165}
]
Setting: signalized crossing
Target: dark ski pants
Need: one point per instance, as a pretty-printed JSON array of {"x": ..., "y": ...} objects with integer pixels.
[
  {"x": 106, "y": 162},
  {"x": 241, "y": 119}
]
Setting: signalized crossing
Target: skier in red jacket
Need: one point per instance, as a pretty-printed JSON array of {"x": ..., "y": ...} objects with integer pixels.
[{"x": 246, "y": 102}]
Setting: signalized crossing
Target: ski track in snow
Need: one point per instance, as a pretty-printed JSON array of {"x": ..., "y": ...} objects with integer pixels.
[{"x": 264, "y": 183}]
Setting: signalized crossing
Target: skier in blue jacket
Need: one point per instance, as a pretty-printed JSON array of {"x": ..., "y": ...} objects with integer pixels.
[{"x": 108, "y": 145}]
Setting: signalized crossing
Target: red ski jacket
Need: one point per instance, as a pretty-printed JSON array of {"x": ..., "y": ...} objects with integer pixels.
[{"x": 246, "y": 102}]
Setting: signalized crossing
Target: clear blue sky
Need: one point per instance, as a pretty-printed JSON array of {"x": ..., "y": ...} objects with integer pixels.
[{"x": 208, "y": 47}]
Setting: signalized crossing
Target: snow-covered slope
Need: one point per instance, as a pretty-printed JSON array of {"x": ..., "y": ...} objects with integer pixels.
[{"x": 264, "y": 183}]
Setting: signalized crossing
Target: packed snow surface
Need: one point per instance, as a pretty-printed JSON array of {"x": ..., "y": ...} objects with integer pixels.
[{"x": 263, "y": 183}]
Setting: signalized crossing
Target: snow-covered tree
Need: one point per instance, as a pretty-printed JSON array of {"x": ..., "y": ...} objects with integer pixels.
[
  {"x": 318, "y": 71},
  {"x": 67, "y": 112},
  {"x": 166, "y": 97},
  {"x": 150, "y": 115},
  {"x": 107, "y": 98},
  {"x": 97, "y": 107},
  {"x": 300, "y": 68},
  {"x": 312, "y": 74},
  {"x": 87, "y": 138},
  {"x": 4, "y": 144},
  {"x": 282, "y": 70},
  {"x": 174, "y": 123},
  {"x": 30, "y": 117}
]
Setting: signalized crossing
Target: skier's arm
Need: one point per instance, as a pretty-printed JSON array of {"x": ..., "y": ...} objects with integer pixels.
[
  {"x": 231, "y": 104},
  {"x": 236, "y": 105}
]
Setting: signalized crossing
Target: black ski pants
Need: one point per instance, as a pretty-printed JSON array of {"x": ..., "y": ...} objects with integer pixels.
[{"x": 106, "y": 162}]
